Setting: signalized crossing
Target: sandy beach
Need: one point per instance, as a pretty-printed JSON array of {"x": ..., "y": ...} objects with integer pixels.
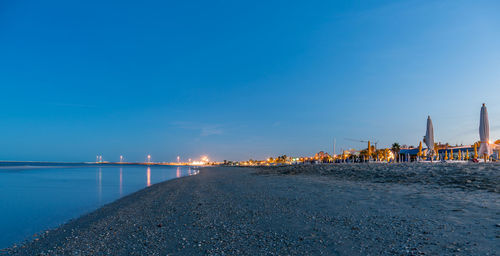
[{"x": 355, "y": 209}]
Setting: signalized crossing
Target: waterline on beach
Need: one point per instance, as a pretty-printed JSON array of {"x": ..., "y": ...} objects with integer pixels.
[{"x": 36, "y": 198}]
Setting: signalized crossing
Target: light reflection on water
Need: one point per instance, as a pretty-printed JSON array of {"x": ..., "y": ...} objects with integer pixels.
[
  {"x": 99, "y": 184},
  {"x": 121, "y": 181},
  {"x": 148, "y": 175},
  {"x": 35, "y": 199}
]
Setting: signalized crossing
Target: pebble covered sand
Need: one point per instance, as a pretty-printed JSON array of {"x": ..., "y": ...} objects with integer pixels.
[
  {"x": 470, "y": 176},
  {"x": 354, "y": 209}
]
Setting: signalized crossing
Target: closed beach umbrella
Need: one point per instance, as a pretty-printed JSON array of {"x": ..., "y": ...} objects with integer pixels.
[
  {"x": 467, "y": 154},
  {"x": 460, "y": 155},
  {"x": 369, "y": 151},
  {"x": 445, "y": 155},
  {"x": 420, "y": 149},
  {"x": 451, "y": 154},
  {"x": 475, "y": 150},
  {"x": 429, "y": 136},
  {"x": 484, "y": 133}
]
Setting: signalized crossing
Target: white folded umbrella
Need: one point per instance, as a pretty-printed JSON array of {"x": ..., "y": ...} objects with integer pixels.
[
  {"x": 429, "y": 136},
  {"x": 484, "y": 132}
]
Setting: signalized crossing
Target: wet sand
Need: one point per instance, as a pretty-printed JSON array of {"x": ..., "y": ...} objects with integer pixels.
[{"x": 244, "y": 211}]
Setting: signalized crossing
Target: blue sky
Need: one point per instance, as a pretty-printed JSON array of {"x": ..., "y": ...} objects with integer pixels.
[{"x": 241, "y": 79}]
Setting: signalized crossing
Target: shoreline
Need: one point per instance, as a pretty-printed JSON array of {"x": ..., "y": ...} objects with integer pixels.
[
  {"x": 43, "y": 233},
  {"x": 42, "y": 198},
  {"x": 224, "y": 210}
]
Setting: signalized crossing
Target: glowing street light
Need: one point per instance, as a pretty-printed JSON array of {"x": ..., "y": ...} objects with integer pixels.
[
  {"x": 149, "y": 158},
  {"x": 204, "y": 159},
  {"x": 178, "y": 159},
  {"x": 121, "y": 159}
]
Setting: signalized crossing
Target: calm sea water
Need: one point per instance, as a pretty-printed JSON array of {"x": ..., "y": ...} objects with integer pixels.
[{"x": 36, "y": 197}]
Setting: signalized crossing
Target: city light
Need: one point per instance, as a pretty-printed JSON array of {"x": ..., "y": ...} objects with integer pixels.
[{"x": 204, "y": 160}]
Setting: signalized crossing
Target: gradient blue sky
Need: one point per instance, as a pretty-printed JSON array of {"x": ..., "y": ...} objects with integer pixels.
[{"x": 241, "y": 79}]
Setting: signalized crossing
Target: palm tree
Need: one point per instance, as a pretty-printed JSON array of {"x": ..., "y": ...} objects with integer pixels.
[
  {"x": 395, "y": 148},
  {"x": 281, "y": 159}
]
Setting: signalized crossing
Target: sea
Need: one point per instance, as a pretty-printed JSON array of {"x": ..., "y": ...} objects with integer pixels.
[{"x": 35, "y": 197}]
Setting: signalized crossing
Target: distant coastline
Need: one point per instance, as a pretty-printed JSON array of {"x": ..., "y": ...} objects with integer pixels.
[{"x": 44, "y": 163}]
